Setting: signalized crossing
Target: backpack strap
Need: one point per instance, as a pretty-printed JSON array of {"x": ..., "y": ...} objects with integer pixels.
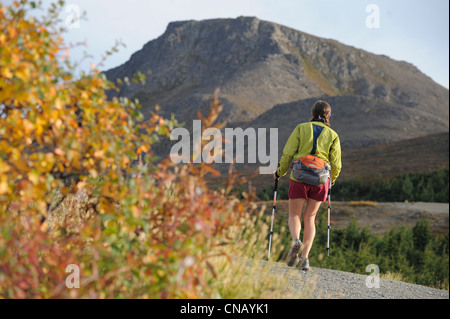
[{"x": 317, "y": 130}]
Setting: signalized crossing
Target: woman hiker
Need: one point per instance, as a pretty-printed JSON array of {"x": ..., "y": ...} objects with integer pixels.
[{"x": 309, "y": 138}]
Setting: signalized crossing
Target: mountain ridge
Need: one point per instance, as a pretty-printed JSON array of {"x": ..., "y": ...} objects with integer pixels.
[
  {"x": 269, "y": 75},
  {"x": 262, "y": 64}
]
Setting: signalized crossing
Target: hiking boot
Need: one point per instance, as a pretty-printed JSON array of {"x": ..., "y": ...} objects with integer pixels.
[
  {"x": 294, "y": 252},
  {"x": 303, "y": 264}
]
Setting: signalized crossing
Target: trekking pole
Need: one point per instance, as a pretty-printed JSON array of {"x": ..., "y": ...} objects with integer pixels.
[
  {"x": 274, "y": 207},
  {"x": 329, "y": 213}
]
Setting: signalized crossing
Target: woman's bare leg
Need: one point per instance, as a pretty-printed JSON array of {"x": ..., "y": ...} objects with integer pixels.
[
  {"x": 295, "y": 212},
  {"x": 309, "y": 217}
]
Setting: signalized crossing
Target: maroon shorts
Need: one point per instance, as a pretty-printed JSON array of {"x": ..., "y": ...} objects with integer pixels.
[{"x": 302, "y": 190}]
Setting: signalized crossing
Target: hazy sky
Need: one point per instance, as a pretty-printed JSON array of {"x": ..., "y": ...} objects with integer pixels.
[{"x": 416, "y": 31}]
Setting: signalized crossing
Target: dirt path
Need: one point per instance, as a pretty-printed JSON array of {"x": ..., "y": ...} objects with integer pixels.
[{"x": 319, "y": 283}]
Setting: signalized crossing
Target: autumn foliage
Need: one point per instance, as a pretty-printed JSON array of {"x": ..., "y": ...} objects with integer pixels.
[{"x": 79, "y": 184}]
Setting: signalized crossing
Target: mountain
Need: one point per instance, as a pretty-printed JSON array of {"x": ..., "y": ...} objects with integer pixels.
[
  {"x": 258, "y": 64},
  {"x": 269, "y": 75}
]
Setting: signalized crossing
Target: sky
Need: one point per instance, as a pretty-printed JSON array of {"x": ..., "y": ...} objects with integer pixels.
[{"x": 416, "y": 31}]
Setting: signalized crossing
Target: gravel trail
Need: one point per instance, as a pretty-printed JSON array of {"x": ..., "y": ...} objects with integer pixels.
[{"x": 320, "y": 283}]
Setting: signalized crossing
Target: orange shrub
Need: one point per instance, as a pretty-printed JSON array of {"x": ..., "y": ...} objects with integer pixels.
[{"x": 138, "y": 232}]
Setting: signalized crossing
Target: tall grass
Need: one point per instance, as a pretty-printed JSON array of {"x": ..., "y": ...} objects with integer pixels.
[{"x": 244, "y": 271}]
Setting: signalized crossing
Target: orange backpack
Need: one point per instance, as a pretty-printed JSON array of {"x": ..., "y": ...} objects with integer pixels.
[{"x": 311, "y": 170}]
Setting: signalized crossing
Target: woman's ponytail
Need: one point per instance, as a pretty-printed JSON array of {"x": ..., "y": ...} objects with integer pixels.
[{"x": 321, "y": 112}]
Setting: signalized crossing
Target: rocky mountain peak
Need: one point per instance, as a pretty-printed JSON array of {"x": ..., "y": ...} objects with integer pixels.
[{"x": 258, "y": 64}]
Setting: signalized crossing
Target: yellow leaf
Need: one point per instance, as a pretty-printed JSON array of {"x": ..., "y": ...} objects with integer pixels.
[
  {"x": 58, "y": 104},
  {"x": 60, "y": 166},
  {"x": 23, "y": 74},
  {"x": 81, "y": 185},
  {"x": 33, "y": 177},
  {"x": 142, "y": 148},
  {"x": 149, "y": 259},
  {"x": 136, "y": 211},
  {"x": 4, "y": 187},
  {"x": 52, "y": 91},
  {"x": 84, "y": 95},
  {"x": 28, "y": 126},
  {"x": 44, "y": 226},
  {"x": 3, "y": 167},
  {"x": 98, "y": 154},
  {"x": 7, "y": 73},
  {"x": 93, "y": 173},
  {"x": 55, "y": 114},
  {"x": 59, "y": 151},
  {"x": 39, "y": 126}
]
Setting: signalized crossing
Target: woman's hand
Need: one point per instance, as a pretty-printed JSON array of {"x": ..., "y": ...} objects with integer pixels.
[{"x": 275, "y": 176}]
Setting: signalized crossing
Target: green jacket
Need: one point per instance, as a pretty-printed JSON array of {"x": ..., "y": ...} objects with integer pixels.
[{"x": 313, "y": 138}]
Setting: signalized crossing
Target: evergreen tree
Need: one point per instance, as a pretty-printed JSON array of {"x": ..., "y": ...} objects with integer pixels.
[
  {"x": 407, "y": 188},
  {"x": 421, "y": 234}
]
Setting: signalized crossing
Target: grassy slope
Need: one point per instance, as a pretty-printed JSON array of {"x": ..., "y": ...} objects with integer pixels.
[{"x": 425, "y": 153}]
